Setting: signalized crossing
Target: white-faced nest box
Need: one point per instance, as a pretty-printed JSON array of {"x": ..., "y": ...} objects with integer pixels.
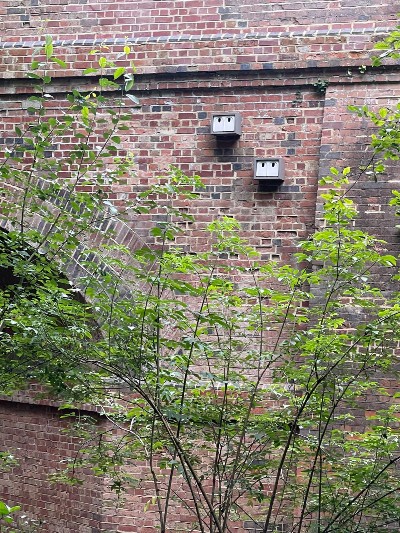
[
  {"x": 226, "y": 124},
  {"x": 269, "y": 173}
]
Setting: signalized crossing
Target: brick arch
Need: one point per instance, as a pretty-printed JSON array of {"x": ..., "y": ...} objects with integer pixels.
[{"x": 114, "y": 232}]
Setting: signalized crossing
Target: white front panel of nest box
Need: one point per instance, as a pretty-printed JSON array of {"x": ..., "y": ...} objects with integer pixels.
[
  {"x": 272, "y": 169},
  {"x": 223, "y": 123},
  {"x": 230, "y": 123},
  {"x": 267, "y": 169}
]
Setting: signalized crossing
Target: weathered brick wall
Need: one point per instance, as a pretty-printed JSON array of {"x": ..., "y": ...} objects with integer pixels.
[
  {"x": 158, "y": 17},
  {"x": 33, "y": 434},
  {"x": 194, "y": 58},
  {"x": 41, "y": 443},
  {"x": 345, "y": 142},
  {"x": 172, "y": 127},
  {"x": 201, "y": 35}
]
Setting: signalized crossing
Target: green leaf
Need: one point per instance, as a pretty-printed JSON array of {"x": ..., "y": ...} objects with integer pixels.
[
  {"x": 34, "y": 76},
  {"x": 4, "y": 509},
  {"x": 48, "y": 49},
  {"x": 389, "y": 260},
  {"x": 346, "y": 171},
  {"x": 156, "y": 232},
  {"x": 89, "y": 70},
  {"x": 59, "y": 62},
  {"x": 118, "y": 72},
  {"x": 106, "y": 83},
  {"x": 85, "y": 113},
  {"x": 133, "y": 99}
]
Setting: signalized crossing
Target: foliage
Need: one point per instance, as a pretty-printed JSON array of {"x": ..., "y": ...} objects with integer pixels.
[
  {"x": 390, "y": 46},
  {"x": 11, "y": 520},
  {"x": 10, "y": 523},
  {"x": 240, "y": 383},
  {"x": 6, "y": 512},
  {"x": 320, "y": 86}
]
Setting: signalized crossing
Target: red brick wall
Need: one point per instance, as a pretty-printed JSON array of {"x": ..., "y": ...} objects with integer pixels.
[
  {"x": 194, "y": 58},
  {"x": 345, "y": 142},
  {"x": 77, "y": 19},
  {"x": 202, "y": 35},
  {"x": 33, "y": 434}
]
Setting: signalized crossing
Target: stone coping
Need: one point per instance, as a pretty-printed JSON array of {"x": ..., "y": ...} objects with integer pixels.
[{"x": 118, "y": 41}]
